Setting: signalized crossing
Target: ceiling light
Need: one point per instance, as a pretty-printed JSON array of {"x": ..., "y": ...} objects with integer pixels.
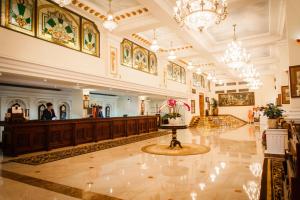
[
  {"x": 209, "y": 76},
  {"x": 235, "y": 55},
  {"x": 190, "y": 66},
  {"x": 154, "y": 46},
  {"x": 62, "y": 3},
  {"x": 199, "y": 71},
  {"x": 172, "y": 55},
  {"x": 109, "y": 23},
  {"x": 200, "y": 14},
  {"x": 249, "y": 73}
]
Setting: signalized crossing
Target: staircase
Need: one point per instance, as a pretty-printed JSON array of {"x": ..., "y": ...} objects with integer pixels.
[
  {"x": 228, "y": 121},
  {"x": 194, "y": 121}
]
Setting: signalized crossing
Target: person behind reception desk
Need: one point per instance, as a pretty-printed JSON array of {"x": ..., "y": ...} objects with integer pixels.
[
  {"x": 48, "y": 114},
  {"x": 100, "y": 113}
]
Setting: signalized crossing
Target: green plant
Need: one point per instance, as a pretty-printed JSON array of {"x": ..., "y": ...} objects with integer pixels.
[
  {"x": 272, "y": 111},
  {"x": 171, "y": 116},
  {"x": 214, "y": 103}
]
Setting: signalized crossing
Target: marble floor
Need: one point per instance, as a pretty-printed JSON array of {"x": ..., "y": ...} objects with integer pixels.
[{"x": 230, "y": 171}]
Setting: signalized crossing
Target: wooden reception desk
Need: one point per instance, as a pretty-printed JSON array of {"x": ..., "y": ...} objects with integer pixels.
[{"x": 33, "y": 136}]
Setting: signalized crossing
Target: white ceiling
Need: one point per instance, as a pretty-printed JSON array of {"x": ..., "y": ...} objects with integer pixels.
[{"x": 260, "y": 27}]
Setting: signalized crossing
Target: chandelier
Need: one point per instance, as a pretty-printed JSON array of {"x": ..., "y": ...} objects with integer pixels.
[
  {"x": 109, "y": 23},
  {"x": 190, "y": 66},
  {"x": 200, "y": 14},
  {"x": 62, "y": 3},
  {"x": 249, "y": 73},
  {"x": 172, "y": 55},
  {"x": 199, "y": 71},
  {"x": 154, "y": 46},
  {"x": 235, "y": 55},
  {"x": 254, "y": 84}
]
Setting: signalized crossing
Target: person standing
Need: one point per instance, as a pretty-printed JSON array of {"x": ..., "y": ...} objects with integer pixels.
[
  {"x": 100, "y": 113},
  {"x": 48, "y": 114}
]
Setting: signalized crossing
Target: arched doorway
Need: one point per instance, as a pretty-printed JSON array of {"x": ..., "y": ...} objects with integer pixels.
[
  {"x": 41, "y": 109},
  {"x": 107, "y": 111}
]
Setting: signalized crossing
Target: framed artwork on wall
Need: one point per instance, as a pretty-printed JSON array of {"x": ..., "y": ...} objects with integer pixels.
[
  {"x": 295, "y": 81},
  {"x": 19, "y": 15},
  {"x": 113, "y": 60},
  {"x": 285, "y": 95},
  {"x": 90, "y": 38},
  {"x": 193, "y": 106},
  {"x": 126, "y": 53},
  {"x": 140, "y": 58},
  {"x": 237, "y": 99},
  {"x": 152, "y": 63},
  {"x": 58, "y": 25},
  {"x": 279, "y": 103}
]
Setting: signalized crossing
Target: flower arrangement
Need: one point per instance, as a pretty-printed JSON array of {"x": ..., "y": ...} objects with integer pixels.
[{"x": 174, "y": 106}]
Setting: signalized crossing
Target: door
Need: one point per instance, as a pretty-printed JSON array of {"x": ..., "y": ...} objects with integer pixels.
[{"x": 201, "y": 105}]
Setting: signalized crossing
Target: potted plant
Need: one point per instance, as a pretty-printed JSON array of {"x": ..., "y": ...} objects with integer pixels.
[
  {"x": 214, "y": 106},
  {"x": 273, "y": 113}
]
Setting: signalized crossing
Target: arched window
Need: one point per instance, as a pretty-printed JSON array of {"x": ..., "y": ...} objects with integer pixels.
[
  {"x": 107, "y": 111},
  {"x": 63, "y": 112},
  {"x": 41, "y": 109}
]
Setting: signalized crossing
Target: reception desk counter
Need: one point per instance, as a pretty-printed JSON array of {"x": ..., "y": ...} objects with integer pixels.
[{"x": 32, "y": 136}]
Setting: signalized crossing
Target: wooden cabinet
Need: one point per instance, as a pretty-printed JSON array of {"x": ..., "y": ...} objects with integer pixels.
[{"x": 32, "y": 136}]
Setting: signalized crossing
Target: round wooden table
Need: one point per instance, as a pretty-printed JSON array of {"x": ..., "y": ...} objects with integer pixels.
[{"x": 174, "y": 142}]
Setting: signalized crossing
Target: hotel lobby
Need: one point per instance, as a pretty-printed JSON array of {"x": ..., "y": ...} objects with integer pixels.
[{"x": 149, "y": 99}]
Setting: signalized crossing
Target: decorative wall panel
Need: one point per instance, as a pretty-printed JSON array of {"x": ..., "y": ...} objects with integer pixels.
[
  {"x": 198, "y": 80},
  {"x": 57, "y": 25},
  {"x": 137, "y": 57},
  {"x": 48, "y": 21},
  {"x": 237, "y": 99},
  {"x": 176, "y": 73},
  {"x": 90, "y": 37},
  {"x": 19, "y": 15}
]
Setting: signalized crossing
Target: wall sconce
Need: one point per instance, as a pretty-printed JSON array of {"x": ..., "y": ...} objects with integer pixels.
[{"x": 298, "y": 41}]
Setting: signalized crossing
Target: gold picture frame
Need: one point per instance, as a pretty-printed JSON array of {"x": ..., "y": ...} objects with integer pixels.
[
  {"x": 294, "y": 72},
  {"x": 90, "y": 37},
  {"x": 236, "y": 99},
  {"x": 193, "y": 106},
  {"x": 126, "y": 53},
  {"x": 285, "y": 94},
  {"x": 58, "y": 25},
  {"x": 19, "y": 15}
]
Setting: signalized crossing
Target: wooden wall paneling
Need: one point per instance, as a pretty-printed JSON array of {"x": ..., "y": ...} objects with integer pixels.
[{"x": 118, "y": 128}]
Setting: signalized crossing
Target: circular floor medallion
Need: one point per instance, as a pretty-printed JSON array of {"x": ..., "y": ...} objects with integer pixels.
[{"x": 188, "y": 149}]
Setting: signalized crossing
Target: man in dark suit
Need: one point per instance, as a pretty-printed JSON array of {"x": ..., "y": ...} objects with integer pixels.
[
  {"x": 49, "y": 114},
  {"x": 100, "y": 113}
]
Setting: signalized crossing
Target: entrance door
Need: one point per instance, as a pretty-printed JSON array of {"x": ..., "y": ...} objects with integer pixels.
[{"x": 201, "y": 105}]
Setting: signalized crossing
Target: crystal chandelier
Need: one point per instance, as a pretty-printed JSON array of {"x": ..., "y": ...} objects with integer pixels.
[
  {"x": 200, "y": 14},
  {"x": 154, "y": 46},
  {"x": 109, "y": 23},
  {"x": 235, "y": 55},
  {"x": 254, "y": 84},
  {"x": 172, "y": 55},
  {"x": 62, "y": 3},
  {"x": 209, "y": 76},
  {"x": 249, "y": 73},
  {"x": 199, "y": 71}
]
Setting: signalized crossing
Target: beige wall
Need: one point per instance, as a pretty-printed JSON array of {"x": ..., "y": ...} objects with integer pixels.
[{"x": 293, "y": 33}]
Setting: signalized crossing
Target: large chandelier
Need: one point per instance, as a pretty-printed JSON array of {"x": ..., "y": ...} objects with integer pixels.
[
  {"x": 154, "y": 46},
  {"x": 62, "y": 3},
  {"x": 235, "y": 55},
  {"x": 249, "y": 73},
  {"x": 110, "y": 23},
  {"x": 200, "y": 14}
]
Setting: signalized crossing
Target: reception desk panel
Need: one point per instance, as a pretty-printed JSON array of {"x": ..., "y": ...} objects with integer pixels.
[{"x": 32, "y": 136}]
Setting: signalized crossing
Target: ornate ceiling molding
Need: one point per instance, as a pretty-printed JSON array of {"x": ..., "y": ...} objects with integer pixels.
[
  {"x": 102, "y": 16},
  {"x": 148, "y": 43}
]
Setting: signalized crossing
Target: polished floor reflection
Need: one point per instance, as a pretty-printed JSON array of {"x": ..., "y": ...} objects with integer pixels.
[{"x": 230, "y": 171}]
